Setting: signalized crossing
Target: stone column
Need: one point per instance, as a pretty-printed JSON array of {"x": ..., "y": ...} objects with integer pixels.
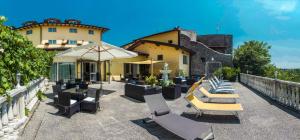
[
  {"x": 1, "y": 127},
  {"x": 22, "y": 105},
  {"x": 10, "y": 112},
  {"x": 4, "y": 118},
  {"x": 16, "y": 108}
]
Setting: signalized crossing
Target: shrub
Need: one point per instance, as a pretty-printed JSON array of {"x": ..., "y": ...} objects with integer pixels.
[
  {"x": 27, "y": 111},
  {"x": 151, "y": 80},
  {"x": 181, "y": 73},
  {"x": 40, "y": 95},
  {"x": 18, "y": 55},
  {"x": 166, "y": 83},
  {"x": 228, "y": 73}
]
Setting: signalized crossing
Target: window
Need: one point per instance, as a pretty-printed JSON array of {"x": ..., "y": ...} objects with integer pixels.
[
  {"x": 160, "y": 57},
  {"x": 52, "y": 41},
  {"x": 170, "y": 41},
  {"x": 185, "y": 59},
  {"x": 203, "y": 59},
  {"x": 72, "y": 42},
  {"x": 73, "y": 30},
  {"x": 28, "y": 32},
  {"x": 91, "y": 32},
  {"x": 51, "y": 29}
]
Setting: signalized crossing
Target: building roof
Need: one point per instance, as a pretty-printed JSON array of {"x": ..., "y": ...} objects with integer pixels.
[
  {"x": 139, "y": 42},
  {"x": 30, "y": 24},
  {"x": 174, "y": 29}
]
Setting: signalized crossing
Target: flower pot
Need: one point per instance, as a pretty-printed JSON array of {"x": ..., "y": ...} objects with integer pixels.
[{"x": 171, "y": 92}]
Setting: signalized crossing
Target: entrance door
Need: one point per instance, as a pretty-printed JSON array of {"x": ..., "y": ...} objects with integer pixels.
[{"x": 93, "y": 72}]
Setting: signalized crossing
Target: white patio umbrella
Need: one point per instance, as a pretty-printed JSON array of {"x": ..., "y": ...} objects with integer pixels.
[{"x": 95, "y": 52}]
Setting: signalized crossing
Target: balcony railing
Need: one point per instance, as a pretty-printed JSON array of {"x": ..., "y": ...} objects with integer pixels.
[
  {"x": 13, "y": 110},
  {"x": 285, "y": 92}
]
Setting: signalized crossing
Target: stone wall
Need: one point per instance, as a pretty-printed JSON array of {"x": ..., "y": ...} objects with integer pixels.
[
  {"x": 218, "y": 42},
  {"x": 203, "y": 54}
]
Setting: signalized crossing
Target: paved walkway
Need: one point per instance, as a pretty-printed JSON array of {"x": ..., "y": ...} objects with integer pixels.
[{"x": 121, "y": 118}]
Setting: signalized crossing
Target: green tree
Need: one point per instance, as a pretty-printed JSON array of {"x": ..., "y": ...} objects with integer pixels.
[
  {"x": 252, "y": 56},
  {"x": 17, "y": 54}
]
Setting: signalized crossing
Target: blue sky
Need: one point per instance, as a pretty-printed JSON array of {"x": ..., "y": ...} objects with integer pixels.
[{"x": 273, "y": 21}]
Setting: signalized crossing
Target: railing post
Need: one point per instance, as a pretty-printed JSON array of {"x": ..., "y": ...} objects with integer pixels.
[
  {"x": 22, "y": 105},
  {"x": 274, "y": 95},
  {"x": 1, "y": 126},
  {"x": 16, "y": 108},
  {"x": 10, "y": 112},
  {"x": 4, "y": 119}
]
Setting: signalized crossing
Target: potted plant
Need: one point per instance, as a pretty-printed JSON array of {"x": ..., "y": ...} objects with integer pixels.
[
  {"x": 151, "y": 80},
  {"x": 181, "y": 74},
  {"x": 137, "y": 92},
  {"x": 169, "y": 89}
]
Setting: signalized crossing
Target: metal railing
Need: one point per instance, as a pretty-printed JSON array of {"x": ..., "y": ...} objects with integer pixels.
[
  {"x": 13, "y": 111},
  {"x": 285, "y": 92}
]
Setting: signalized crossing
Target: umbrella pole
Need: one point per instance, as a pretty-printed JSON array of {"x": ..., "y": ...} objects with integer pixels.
[
  {"x": 70, "y": 72},
  {"x": 99, "y": 65},
  {"x": 151, "y": 67}
]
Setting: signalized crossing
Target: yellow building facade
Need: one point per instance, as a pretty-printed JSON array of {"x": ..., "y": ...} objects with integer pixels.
[
  {"x": 158, "y": 47},
  {"x": 55, "y": 35},
  {"x": 52, "y": 34}
]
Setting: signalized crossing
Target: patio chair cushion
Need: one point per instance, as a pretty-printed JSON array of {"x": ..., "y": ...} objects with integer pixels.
[
  {"x": 161, "y": 112},
  {"x": 89, "y": 99},
  {"x": 73, "y": 101}
]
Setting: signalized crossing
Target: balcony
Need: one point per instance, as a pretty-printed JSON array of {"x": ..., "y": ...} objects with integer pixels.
[{"x": 122, "y": 118}]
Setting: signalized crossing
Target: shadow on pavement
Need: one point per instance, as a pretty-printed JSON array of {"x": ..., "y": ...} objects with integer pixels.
[
  {"x": 156, "y": 130},
  {"x": 211, "y": 118}
]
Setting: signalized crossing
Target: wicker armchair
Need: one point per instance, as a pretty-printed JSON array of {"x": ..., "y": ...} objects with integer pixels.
[
  {"x": 91, "y": 103},
  {"x": 83, "y": 85},
  {"x": 56, "y": 90},
  {"x": 66, "y": 105}
]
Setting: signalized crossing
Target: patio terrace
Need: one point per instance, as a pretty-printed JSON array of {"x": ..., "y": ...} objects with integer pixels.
[{"x": 121, "y": 118}]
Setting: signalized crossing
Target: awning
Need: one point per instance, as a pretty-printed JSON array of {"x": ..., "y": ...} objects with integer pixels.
[{"x": 149, "y": 62}]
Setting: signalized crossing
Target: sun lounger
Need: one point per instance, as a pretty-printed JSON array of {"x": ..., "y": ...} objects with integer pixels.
[
  {"x": 221, "y": 82},
  {"x": 217, "y": 96},
  {"x": 215, "y": 89},
  {"x": 181, "y": 126},
  {"x": 202, "y": 106},
  {"x": 218, "y": 85}
]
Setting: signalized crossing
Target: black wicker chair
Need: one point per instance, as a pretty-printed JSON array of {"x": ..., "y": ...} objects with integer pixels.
[
  {"x": 56, "y": 90},
  {"x": 60, "y": 82},
  {"x": 78, "y": 81},
  {"x": 83, "y": 85},
  {"x": 66, "y": 105},
  {"x": 70, "y": 85},
  {"x": 91, "y": 103},
  {"x": 138, "y": 91}
]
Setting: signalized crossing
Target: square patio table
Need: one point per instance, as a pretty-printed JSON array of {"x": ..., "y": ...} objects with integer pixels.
[{"x": 77, "y": 94}]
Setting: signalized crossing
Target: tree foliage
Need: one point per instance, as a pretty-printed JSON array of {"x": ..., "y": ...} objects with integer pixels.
[
  {"x": 228, "y": 73},
  {"x": 17, "y": 54},
  {"x": 252, "y": 56}
]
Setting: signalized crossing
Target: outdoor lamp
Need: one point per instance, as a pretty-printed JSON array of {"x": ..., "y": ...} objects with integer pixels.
[
  {"x": 276, "y": 74},
  {"x": 18, "y": 79}
]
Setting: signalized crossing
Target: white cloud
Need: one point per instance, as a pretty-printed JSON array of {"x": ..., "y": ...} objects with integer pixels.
[{"x": 279, "y": 8}]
